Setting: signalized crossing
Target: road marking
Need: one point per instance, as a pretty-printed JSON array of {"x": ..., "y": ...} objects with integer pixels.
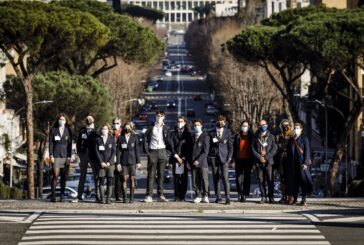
[
  {"x": 347, "y": 219},
  {"x": 312, "y": 217},
  {"x": 32, "y": 217}
]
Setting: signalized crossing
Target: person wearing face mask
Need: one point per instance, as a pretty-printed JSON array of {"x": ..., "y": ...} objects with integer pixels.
[
  {"x": 156, "y": 142},
  {"x": 180, "y": 140},
  {"x": 242, "y": 160},
  {"x": 282, "y": 140},
  {"x": 298, "y": 161},
  {"x": 86, "y": 152},
  {"x": 128, "y": 159},
  {"x": 197, "y": 162},
  {"x": 116, "y": 128},
  {"x": 105, "y": 149},
  {"x": 60, "y": 151},
  {"x": 220, "y": 156},
  {"x": 264, "y": 148}
]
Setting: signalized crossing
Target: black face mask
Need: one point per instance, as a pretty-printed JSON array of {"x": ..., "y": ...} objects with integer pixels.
[
  {"x": 126, "y": 130},
  {"x": 220, "y": 125}
]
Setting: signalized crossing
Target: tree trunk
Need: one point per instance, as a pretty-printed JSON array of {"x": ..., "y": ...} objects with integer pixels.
[{"x": 27, "y": 84}]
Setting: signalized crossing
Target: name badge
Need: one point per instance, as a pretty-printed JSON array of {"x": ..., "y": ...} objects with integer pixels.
[
  {"x": 215, "y": 140},
  {"x": 265, "y": 144},
  {"x": 84, "y": 136},
  {"x": 124, "y": 146},
  {"x": 110, "y": 146},
  {"x": 57, "y": 138},
  {"x": 101, "y": 148}
]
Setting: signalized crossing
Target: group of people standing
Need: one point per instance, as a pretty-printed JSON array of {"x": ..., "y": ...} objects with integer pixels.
[{"x": 113, "y": 154}]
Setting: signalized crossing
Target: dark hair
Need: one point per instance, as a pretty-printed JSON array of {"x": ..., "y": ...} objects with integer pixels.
[
  {"x": 56, "y": 125},
  {"x": 300, "y": 124},
  {"x": 197, "y": 120},
  {"x": 221, "y": 118},
  {"x": 244, "y": 121},
  {"x": 160, "y": 113},
  {"x": 131, "y": 124},
  {"x": 183, "y": 118}
]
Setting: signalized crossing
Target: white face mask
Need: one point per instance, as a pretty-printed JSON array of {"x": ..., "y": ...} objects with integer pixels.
[
  {"x": 297, "y": 131},
  {"x": 244, "y": 129},
  {"x": 61, "y": 123},
  {"x": 116, "y": 126},
  {"x": 198, "y": 129},
  {"x": 180, "y": 125},
  {"x": 104, "y": 132}
]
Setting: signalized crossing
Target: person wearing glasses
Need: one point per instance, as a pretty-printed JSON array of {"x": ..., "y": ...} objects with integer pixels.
[
  {"x": 264, "y": 149},
  {"x": 60, "y": 151},
  {"x": 282, "y": 140},
  {"x": 156, "y": 142}
]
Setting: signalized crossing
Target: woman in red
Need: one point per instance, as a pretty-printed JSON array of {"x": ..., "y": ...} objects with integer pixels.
[{"x": 242, "y": 160}]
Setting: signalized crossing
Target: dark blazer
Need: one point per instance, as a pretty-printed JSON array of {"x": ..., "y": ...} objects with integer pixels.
[
  {"x": 181, "y": 144},
  {"x": 129, "y": 155},
  {"x": 86, "y": 142},
  {"x": 148, "y": 135},
  {"x": 236, "y": 144},
  {"x": 271, "y": 148},
  {"x": 200, "y": 150},
  {"x": 292, "y": 151},
  {"x": 108, "y": 154},
  {"x": 223, "y": 148},
  {"x": 60, "y": 147}
]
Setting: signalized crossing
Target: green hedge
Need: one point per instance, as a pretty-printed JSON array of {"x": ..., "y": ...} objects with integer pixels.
[{"x": 7, "y": 192}]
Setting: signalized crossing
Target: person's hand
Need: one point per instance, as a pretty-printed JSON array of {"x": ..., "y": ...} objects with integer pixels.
[
  {"x": 195, "y": 163},
  {"x": 232, "y": 165},
  {"x": 68, "y": 161},
  {"x": 139, "y": 165},
  {"x": 119, "y": 168},
  {"x": 52, "y": 159},
  {"x": 103, "y": 165},
  {"x": 262, "y": 160},
  {"x": 304, "y": 167},
  {"x": 107, "y": 164}
]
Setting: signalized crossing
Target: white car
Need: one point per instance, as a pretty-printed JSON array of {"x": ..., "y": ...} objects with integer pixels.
[
  {"x": 168, "y": 74},
  {"x": 69, "y": 193}
]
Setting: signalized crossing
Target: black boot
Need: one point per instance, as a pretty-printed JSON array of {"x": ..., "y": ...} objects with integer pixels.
[
  {"x": 102, "y": 193},
  {"x": 303, "y": 202},
  {"x": 109, "y": 194},
  {"x": 125, "y": 194},
  {"x": 53, "y": 197},
  {"x": 132, "y": 189}
]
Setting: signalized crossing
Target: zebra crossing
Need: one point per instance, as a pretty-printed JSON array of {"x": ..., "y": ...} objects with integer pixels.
[
  {"x": 15, "y": 216},
  {"x": 172, "y": 228}
]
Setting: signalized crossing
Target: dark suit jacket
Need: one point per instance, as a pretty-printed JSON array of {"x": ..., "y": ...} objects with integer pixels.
[
  {"x": 148, "y": 136},
  {"x": 129, "y": 155},
  {"x": 223, "y": 148},
  {"x": 293, "y": 153},
  {"x": 60, "y": 148},
  {"x": 108, "y": 154},
  {"x": 181, "y": 144},
  {"x": 86, "y": 142},
  {"x": 200, "y": 150},
  {"x": 271, "y": 148}
]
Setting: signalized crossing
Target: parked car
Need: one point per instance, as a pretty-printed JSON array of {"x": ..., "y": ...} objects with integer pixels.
[
  {"x": 211, "y": 110},
  {"x": 143, "y": 116},
  {"x": 69, "y": 194},
  {"x": 168, "y": 74},
  {"x": 191, "y": 112},
  {"x": 154, "y": 105},
  {"x": 171, "y": 104}
]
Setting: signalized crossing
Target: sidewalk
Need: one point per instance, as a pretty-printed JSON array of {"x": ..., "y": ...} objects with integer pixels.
[{"x": 337, "y": 204}]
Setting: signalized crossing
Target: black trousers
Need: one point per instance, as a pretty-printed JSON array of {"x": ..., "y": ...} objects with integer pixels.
[
  {"x": 84, "y": 161},
  {"x": 220, "y": 171},
  {"x": 118, "y": 184},
  {"x": 200, "y": 181},
  {"x": 180, "y": 182},
  {"x": 157, "y": 160},
  {"x": 243, "y": 169},
  {"x": 265, "y": 177}
]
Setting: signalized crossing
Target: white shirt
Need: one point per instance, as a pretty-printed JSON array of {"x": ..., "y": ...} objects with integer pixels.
[
  {"x": 127, "y": 137},
  {"x": 156, "y": 140},
  {"x": 61, "y": 130}
]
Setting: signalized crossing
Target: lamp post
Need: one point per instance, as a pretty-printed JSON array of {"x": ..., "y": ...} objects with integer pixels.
[{"x": 11, "y": 136}]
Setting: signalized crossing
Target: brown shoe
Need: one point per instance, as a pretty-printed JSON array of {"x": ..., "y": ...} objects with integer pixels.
[{"x": 290, "y": 200}]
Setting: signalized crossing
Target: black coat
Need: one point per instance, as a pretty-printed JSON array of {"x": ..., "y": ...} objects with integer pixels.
[
  {"x": 200, "y": 150},
  {"x": 236, "y": 144},
  {"x": 60, "y": 147},
  {"x": 271, "y": 148},
  {"x": 181, "y": 144},
  {"x": 148, "y": 135},
  {"x": 127, "y": 152},
  {"x": 86, "y": 142},
  {"x": 108, "y": 154},
  {"x": 222, "y": 148}
]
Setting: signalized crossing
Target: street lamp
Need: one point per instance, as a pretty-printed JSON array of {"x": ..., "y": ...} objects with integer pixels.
[{"x": 11, "y": 136}]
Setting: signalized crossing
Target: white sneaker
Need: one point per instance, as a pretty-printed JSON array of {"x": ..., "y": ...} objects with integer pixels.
[
  {"x": 197, "y": 200},
  {"x": 205, "y": 199},
  {"x": 162, "y": 199},
  {"x": 148, "y": 199}
]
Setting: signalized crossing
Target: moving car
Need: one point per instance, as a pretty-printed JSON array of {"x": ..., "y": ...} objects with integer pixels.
[
  {"x": 143, "y": 116},
  {"x": 197, "y": 97},
  {"x": 69, "y": 194},
  {"x": 171, "y": 104},
  {"x": 211, "y": 110},
  {"x": 232, "y": 179},
  {"x": 154, "y": 105},
  {"x": 168, "y": 74}
]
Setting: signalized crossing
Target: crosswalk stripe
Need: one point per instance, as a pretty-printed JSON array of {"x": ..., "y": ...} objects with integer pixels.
[{"x": 114, "y": 228}]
